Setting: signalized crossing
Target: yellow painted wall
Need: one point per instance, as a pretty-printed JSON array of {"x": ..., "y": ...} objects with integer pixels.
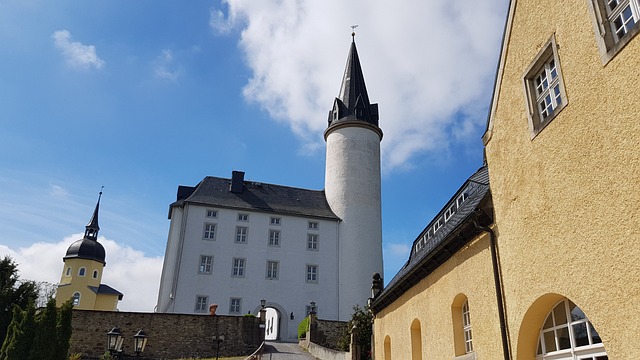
[
  {"x": 106, "y": 302},
  {"x": 468, "y": 272},
  {"x": 567, "y": 202},
  {"x": 69, "y": 284}
]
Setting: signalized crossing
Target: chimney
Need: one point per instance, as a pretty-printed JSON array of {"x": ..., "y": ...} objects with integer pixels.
[{"x": 237, "y": 182}]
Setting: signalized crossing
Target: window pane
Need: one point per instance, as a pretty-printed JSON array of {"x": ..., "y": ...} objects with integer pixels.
[
  {"x": 595, "y": 338},
  {"x": 548, "y": 323},
  {"x": 576, "y": 313},
  {"x": 560, "y": 314},
  {"x": 563, "y": 338},
  {"x": 549, "y": 341},
  {"x": 580, "y": 334}
]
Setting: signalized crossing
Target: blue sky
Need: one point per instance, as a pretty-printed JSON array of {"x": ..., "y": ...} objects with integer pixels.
[{"x": 142, "y": 96}]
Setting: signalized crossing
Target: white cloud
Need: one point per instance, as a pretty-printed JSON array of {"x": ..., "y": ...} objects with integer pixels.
[
  {"x": 164, "y": 67},
  {"x": 128, "y": 270},
  {"x": 76, "y": 54},
  {"x": 430, "y": 65}
]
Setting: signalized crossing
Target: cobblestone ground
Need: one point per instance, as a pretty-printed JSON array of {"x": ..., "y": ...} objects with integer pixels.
[{"x": 285, "y": 351}]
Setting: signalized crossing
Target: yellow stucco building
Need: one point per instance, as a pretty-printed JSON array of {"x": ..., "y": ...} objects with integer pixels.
[
  {"x": 84, "y": 263},
  {"x": 563, "y": 154}
]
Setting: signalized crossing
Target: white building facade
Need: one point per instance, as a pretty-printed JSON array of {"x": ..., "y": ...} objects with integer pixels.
[{"x": 234, "y": 242}]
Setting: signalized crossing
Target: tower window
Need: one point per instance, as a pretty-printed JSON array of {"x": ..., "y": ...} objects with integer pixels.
[
  {"x": 68, "y": 271},
  {"x": 82, "y": 271},
  {"x": 95, "y": 274},
  {"x": 76, "y": 299}
]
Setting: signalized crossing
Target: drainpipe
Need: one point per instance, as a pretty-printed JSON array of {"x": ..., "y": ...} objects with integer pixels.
[{"x": 499, "y": 295}]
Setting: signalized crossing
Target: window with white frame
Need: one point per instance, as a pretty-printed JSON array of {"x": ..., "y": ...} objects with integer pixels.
[
  {"x": 616, "y": 22},
  {"x": 241, "y": 234},
  {"x": 466, "y": 328},
  {"x": 238, "y": 267},
  {"x": 272, "y": 270},
  {"x": 274, "y": 237},
  {"x": 209, "y": 231},
  {"x": 68, "y": 271},
  {"x": 313, "y": 225},
  {"x": 235, "y": 305},
  {"x": 312, "y": 242},
  {"x": 567, "y": 333},
  {"x": 76, "y": 298},
  {"x": 95, "y": 274},
  {"x": 274, "y": 221},
  {"x": 201, "y": 303},
  {"x": 206, "y": 262},
  {"x": 212, "y": 213},
  {"x": 243, "y": 217},
  {"x": 82, "y": 271},
  {"x": 312, "y": 273},
  {"x": 544, "y": 88}
]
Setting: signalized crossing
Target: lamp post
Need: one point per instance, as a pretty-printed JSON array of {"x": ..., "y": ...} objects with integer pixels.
[
  {"x": 115, "y": 340},
  {"x": 217, "y": 339},
  {"x": 313, "y": 308}
]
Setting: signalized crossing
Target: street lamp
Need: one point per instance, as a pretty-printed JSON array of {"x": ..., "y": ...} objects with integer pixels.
[
  {"x": 218, "y": 339},
  {"x": 313, "y": 308},
  {"x": 114, "y": 341},
  {"x": 139, "y": 341},
  {"x": 263, "y": 303}
]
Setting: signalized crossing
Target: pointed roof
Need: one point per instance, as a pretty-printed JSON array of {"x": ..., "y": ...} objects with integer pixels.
[
  {"x": 92, "y": 227},
  {"x": 88, "y": 247},
  {"x": 352, "y": 104}
]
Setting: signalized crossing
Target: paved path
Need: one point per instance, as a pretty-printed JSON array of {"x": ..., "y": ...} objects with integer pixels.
[{"x": 284, "y": 351}]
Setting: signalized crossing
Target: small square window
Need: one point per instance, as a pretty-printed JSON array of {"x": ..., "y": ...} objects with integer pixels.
[
  {"x": 313, "y": 225},
  {"x": 238, "y": 267},
  {"x": 272, "y": 270},
  {"x": 201, "y": 303},
  {"x": 243, "y": 217},
  {"x": 209, "y": 232},
  {"x": 312, "y": 242},
  {"x": 241, "y": 234},
  {"x": 312, "y": 273},
  {"x": 274, "y": 237},
  {"x": 544, "y": 88},
  {"x": 212, "y": 213},
  {"x": 274, "y": 221},
  {"x": 235, "y": 306},
  {"x": 206, "y": 262}
]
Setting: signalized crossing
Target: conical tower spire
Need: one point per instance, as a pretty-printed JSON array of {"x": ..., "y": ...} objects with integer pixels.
[
  {"x": 353, "y": 101},
  {"x": 92, "y": 227}
]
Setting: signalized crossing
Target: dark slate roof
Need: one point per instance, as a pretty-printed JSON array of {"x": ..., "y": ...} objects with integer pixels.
[
  {"x": 256, "y": 196},
  {"x": 86, "y": 249},
  {"x": 353, "y": 102},
  {"x": 106, "y": 290},
  {"x": 458, "y": 230}
]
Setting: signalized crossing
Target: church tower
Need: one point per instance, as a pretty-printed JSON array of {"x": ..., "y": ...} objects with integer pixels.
[
  {"x": 352, "y": 185},
  {"x": 82, "y": 272}
]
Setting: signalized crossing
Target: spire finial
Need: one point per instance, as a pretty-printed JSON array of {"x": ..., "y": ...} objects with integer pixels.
[
  {"x": 353, "y": 32},
  {"x": 92, "y": 227}
]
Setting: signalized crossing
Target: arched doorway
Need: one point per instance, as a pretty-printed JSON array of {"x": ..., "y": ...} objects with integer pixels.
[{"x": 272, "y": 324}]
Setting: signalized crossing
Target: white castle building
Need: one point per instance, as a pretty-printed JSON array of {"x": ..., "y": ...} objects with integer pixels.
[{"x": 234, "y": 242}]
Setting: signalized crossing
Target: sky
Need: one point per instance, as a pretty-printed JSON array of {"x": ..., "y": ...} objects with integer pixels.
[{"x": 142, "y": 96}]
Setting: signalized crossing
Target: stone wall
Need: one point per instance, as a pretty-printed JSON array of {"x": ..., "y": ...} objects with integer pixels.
[
  {"x": 171, "y": 336},
  {"x": 327, "y": 333}
]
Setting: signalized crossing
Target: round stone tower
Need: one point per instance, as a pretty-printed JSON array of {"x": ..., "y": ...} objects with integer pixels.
[{"x": 352, "y": 186}]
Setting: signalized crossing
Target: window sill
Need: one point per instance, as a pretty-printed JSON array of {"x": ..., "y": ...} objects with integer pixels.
[{"x": 469, "y": 356}]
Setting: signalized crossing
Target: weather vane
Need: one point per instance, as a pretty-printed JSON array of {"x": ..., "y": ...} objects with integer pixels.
[{"x": 353, "y": 31}]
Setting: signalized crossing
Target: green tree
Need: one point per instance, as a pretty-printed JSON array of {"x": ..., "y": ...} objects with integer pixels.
[
  {"x": 64, "y": 330},
  {"x": 45, "y": 340},
  {"x": 13, "y": 292},
  {"x": 361, "y": 321},
  {"x": 17, "y": 344}
]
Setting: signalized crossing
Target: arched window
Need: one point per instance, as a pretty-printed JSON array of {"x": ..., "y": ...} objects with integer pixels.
[
  {"x": 76, "y": 299},
  {"x": 387, "y": 348},
  {"x": 68, "y": 271},
  {"x": 466, "y": 328},
  {"x": 95, "y": 274},
  {"x": 568, "y": 334},
  {"x": 461, "y": 320},
  {"x": 82, "y": 271},
  {"x": 416, "y": 340}
]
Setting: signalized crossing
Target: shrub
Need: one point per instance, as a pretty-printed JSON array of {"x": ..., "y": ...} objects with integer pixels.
[{"x": 303, "y": 327}]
